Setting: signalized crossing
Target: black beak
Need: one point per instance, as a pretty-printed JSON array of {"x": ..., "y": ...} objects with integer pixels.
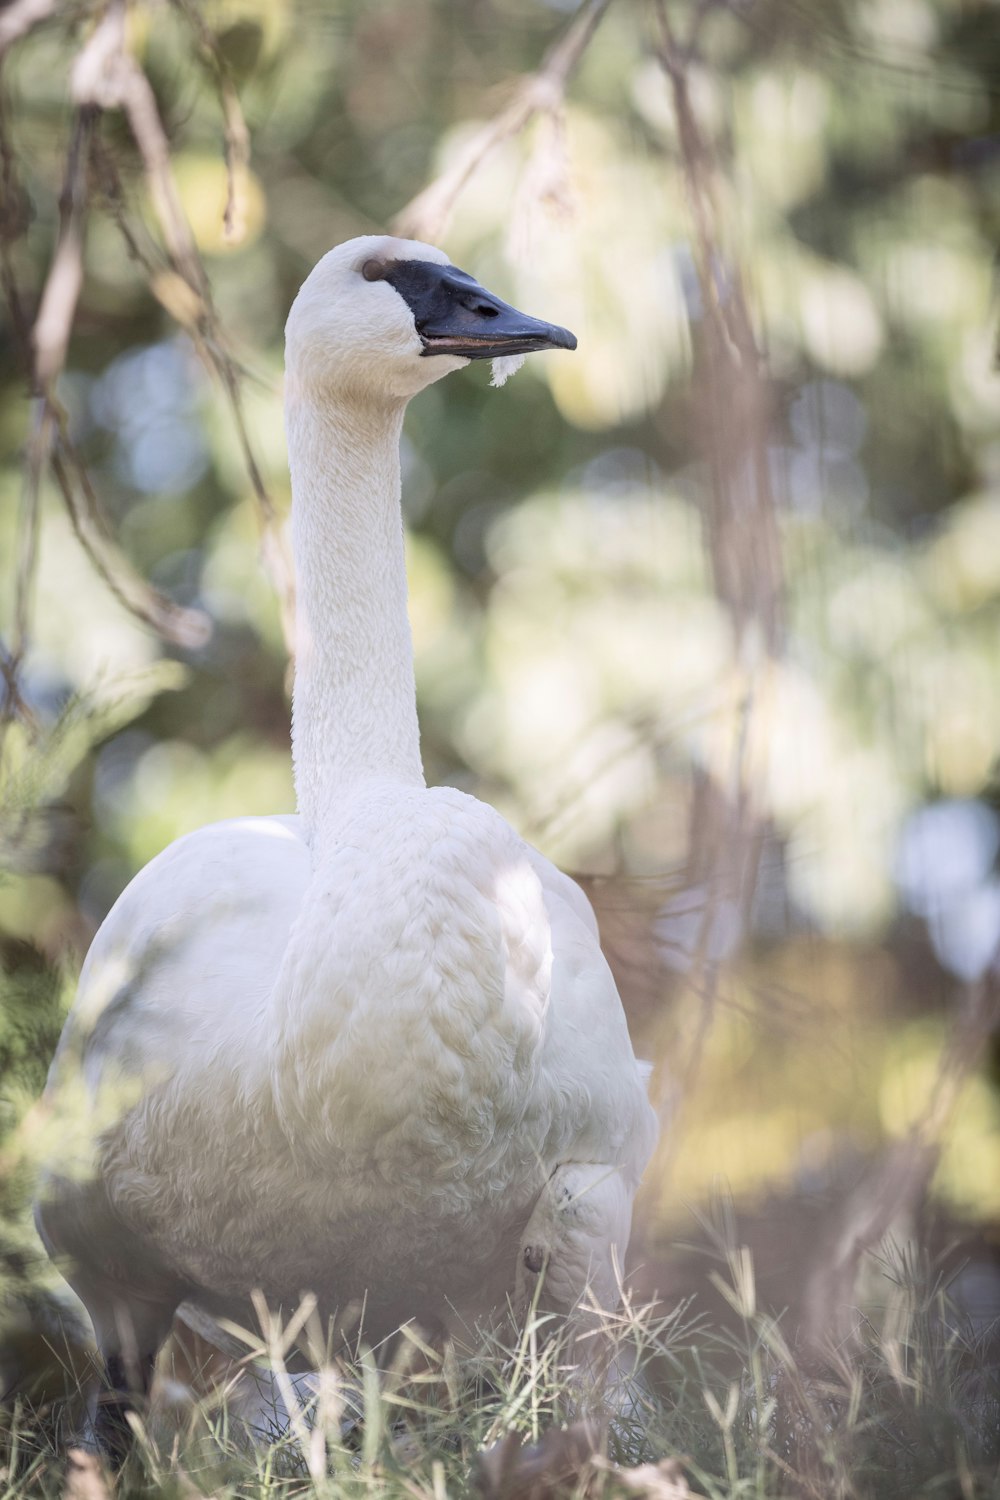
[{"x": 455, "y": 315}]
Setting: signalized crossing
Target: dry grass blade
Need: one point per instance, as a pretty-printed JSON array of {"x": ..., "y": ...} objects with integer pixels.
[{"x": 427, "y": 215}]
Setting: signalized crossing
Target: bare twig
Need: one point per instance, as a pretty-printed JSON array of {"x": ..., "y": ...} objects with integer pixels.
[
  {"x": 13, "y": 220},
  {"x": 745, "y": 548},
  {"x": 26, "y": 550},
  {"x": 193, "y": 308},
  {"x": 427, "y": 215},
  {"x": 20, "y": 18},
  {"x": 274, "y": 548},
  {"x": 187, "y": 628},
  {"x": 39, "y": 445},
  {"x": 740, "y": 524},
  {"x": 50, "y": 337},
  {"x": 237, "y": 137},
  {"x": 106, "y": 76}
]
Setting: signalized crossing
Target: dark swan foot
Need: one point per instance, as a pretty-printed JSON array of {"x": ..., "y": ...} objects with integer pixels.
[{"x": 113, "y": 1434}]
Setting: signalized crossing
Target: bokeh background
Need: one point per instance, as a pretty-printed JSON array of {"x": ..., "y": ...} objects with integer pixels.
[{"x": 710, "y": 609}]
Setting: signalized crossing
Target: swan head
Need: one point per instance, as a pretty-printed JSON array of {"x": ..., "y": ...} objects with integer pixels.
[{"x": 383, "y": 318}]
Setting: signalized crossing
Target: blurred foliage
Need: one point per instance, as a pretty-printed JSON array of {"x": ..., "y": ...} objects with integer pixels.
[{"x": 575, "y": 665}]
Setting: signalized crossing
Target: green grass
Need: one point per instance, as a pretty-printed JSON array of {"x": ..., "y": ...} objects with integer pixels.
[{"x": 910, "y": 1410}]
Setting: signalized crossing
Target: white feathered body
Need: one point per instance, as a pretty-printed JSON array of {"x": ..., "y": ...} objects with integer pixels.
[
  {"x": 356, "y": 1076},
  {"x": 372, "y": 1051}
]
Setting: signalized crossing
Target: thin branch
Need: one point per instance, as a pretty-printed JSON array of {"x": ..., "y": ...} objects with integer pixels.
[
  {"x": 727, "y": 828},
  {"x": 22, "y": 17},
  {"x": 237, "y": 136},
  {"x": 202, "y": 325},
  {"x": 26, "y": 548},
  {"x": 39, "y": 447},
  {"x": 107, "y": 75},
  {"x": 50, "y": 337},
  {"x": 427, "y": 215},
  {"x": 745, "y": 547},
  {"x": 274, "y": 547},
  {"x": 13, "y": 221},
  {"x": 194, "y": 308},
  {"x": 13, "y": 703},
  {"x": 187, "y": 628}
]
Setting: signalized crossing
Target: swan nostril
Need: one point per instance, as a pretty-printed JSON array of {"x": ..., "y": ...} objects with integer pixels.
[{"x": 478, "y": 306}]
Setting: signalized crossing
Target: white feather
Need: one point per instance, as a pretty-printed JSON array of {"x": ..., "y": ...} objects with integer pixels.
[{"x": 505, "y": 366}]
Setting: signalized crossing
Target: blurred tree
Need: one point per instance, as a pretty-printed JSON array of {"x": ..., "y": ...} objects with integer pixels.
[{"x": 710, "y": 610}]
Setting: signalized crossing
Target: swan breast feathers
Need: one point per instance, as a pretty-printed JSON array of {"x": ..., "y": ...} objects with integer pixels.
[{"x": 415, "y": 1003}]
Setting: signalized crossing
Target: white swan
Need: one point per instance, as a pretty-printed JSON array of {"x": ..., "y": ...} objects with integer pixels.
[{"x": 372, "y": 1051}]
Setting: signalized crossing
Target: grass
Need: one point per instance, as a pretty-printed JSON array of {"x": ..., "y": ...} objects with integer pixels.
[{"x": 910, "y": 1410}]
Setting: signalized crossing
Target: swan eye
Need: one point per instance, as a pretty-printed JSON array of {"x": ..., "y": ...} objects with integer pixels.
[{"x": 374, "y": 270}]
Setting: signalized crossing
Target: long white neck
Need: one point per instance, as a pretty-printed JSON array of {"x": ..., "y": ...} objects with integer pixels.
[{"x": 354, "y": 714}]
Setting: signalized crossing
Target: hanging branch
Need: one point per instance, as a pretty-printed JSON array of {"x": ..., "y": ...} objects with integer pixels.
[
  {"x": 117, "y": 80},
  {"x": 236, "y": 134},
  {"x": 108, "y": 76},
  {"x": 27, "y": 561},
  {"x": 50, "y": 336},
  {"x": 745, "y": 551},
  {"x": 427, "y": 215},
  {"x": 184, "y": 627},
  {"x": 51, "y": 442},
  {"x": 199, "y": 321},
  {"x": 745, "y": 548},
  {"x": 105, "y": 76},
  {"x": 21, "y": 17},
  {"x": 730, "y": 391}
]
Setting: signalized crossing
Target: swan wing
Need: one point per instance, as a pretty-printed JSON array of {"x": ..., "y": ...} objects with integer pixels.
[
  {"x": 175, "y": 982},
  {"x": 578, "y": 1232},
  {"x": 189, "y": 951}
]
